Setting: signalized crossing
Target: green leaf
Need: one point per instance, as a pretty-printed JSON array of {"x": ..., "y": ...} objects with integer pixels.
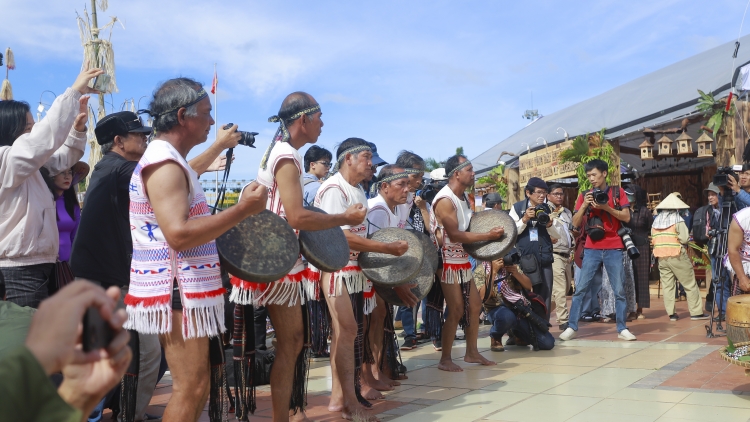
[
  {"x": 744, "y": 358},
  {"x": 714, "y": 123},
  {"x": 731, "y": 348}
]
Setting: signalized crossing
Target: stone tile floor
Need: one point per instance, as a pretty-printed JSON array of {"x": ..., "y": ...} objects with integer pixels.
[{"x": 672, "y": 373}]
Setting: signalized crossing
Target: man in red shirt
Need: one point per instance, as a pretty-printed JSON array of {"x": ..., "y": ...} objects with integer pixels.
[{"x": 603, "y": 245}]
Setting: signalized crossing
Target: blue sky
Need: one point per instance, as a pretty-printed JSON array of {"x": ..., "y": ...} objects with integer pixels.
[{"x": 424, "y": 76}]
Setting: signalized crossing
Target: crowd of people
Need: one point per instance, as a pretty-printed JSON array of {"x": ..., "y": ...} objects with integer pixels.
[{"x": 142, "y": 249}]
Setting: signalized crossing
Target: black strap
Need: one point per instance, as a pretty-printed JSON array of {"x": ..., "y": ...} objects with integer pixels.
[{"x": 218, "y": 206}]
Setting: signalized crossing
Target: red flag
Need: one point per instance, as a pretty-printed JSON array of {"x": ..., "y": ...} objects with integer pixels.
[{"x": 215, "y": 83}]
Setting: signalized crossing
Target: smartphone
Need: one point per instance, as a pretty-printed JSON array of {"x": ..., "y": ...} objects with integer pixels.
[
  {"x": 100, "y": 83},
  {"x": 97, "y": 333}
]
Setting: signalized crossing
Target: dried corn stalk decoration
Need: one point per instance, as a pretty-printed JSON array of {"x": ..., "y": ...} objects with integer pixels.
[
  {"x": 6, "y": 91},
  {"x": 97, "y": 52}
]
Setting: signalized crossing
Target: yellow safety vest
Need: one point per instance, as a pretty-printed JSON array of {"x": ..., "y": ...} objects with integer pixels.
[{"x": 666, "y": 243}]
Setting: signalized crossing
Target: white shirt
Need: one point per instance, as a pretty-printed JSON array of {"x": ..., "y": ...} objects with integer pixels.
[
  {"x": 380, "y": 215},
  {"x": 335, "y": 196}
]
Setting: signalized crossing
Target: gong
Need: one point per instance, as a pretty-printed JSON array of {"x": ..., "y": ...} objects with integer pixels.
[
  {"x": 391, "y": 270},
  {"x": 326, "y": 249},
  {"x": 424, "y": 278},
  {"x": 262, "y": 248},
  {"x": 483, "y": 222}
]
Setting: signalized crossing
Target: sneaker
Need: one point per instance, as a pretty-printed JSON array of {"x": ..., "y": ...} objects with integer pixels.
[
  {"x": 586, "y": 318},
  {"x": 673, "y": 317},
  {"x": 437, "y": 344},
  {"x": 568, "y": 334},
  {"x": 699, "y": 317},
  {"x": 409, "y": 343},
  {"x": 626, "y": 335},
  {"x": 563, "y": 327}
]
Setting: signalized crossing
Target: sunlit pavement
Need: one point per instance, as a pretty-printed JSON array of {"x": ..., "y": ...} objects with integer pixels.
[{"x": 672, "y": 373}]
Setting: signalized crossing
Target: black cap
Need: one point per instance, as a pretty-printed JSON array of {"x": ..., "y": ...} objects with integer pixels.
[
  {"x": 120, "y": 123},
  {"x": 493, "y": 197}
]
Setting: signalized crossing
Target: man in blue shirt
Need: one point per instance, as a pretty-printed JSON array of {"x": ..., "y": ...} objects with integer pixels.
[
  {"x": 317, "y": 164},
  {"x": 741, "y": 188}
]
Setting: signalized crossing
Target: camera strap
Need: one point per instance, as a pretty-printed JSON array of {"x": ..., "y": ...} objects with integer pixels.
[{"x": 220, "y": 193}]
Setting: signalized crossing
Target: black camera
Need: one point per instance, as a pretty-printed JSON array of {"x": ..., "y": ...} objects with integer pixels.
[
  {"x": 601, "y": 197},
  {"x": 624, "y": 234},
  {"x": 431, "y": 189},
  {"x": 513, "y": 258},
  {"x": 541, "y": 214},
  {"x": 520, "y": 309},
  {"x": 721, "y": 178},
  {"x": 247, "y": 138}
]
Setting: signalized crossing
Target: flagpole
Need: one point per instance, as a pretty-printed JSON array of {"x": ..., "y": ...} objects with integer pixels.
[{"x": 216, "y": 131}]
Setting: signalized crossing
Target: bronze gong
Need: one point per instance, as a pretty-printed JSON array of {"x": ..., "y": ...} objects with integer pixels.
[
  {"x": 483, "y": 222},
  {"x": 262, "y": 248},
  {"x": 392, "y": 270},
  {"x": 424, "y": 278},
  {"x": 327, "y": 250}
]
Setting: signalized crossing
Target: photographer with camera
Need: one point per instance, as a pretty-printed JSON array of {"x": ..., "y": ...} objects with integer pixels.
[
  {"x": 670, "y": 236},
  {"x": 739, "y": 184},
  {"x": 605, "y": 209},
  {"x": 521, "y": 313},
  {"x": 562, "y": 243},
  {"x": 532, "y": 217}
]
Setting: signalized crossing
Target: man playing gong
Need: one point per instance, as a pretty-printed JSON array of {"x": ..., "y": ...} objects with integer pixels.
[
  {"x": 344, "y": 289},
  {"x": 452, "y": 214},
  {"x": 387, "y": 208},
  {"x": 175, "y": 285},
  {"x": 281, "y": 171}
]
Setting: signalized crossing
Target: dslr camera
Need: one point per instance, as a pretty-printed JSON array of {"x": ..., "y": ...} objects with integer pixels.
[
  {"x": 430, "y": 190},
  {"x": 513, "y": 258},
  {"x": 624, "y": 234},
  {"x": 721, "y": 178},
  {"x": 247, "y": 138},
  {"x": 601, "y": 197},
  {"x": 541, "y": 214}
]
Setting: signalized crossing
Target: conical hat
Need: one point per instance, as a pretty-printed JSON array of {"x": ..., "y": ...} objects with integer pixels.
[{"x": 672, "y": 202}]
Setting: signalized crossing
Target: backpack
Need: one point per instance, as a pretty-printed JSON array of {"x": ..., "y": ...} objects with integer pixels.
[{"x": 700, "y": 223}]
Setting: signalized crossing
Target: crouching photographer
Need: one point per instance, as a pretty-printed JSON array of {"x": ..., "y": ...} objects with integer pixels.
[{"x": 521, "y": 313}]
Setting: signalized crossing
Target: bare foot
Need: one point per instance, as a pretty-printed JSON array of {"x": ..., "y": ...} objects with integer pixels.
[
  {"x": 448, "y": 365},
  {"x": 337, "y": 406},
  {"x": 380, "y": 385},
  {"x": 382, "y": 377},
  {"x": 370, "y": 393},
  {"x": 478, "y": 359},
  {"x": 300, "y": 416},
  {"x": 362, "y": 415}
]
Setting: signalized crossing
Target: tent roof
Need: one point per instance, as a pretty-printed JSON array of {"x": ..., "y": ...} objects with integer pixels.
[{"x": 658, "y": 97}]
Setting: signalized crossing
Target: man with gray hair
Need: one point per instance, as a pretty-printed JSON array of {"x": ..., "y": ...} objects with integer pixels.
[
  {"x": 175, "y": 283},
  {"x": 102, "y": 248}
]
